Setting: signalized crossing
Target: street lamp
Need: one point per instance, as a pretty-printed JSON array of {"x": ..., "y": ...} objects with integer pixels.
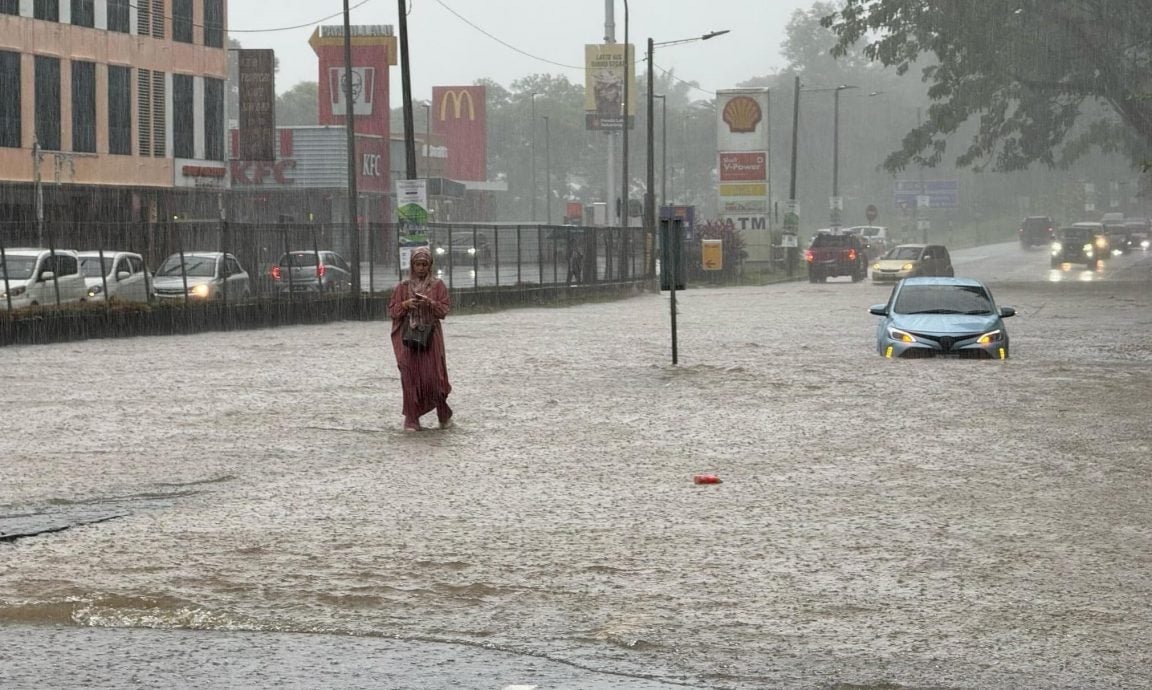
[
  {"x": 834, "y": 203},
  {"x": 663, "y": 149},
  {"x": 649, "y": 196},
  {"x": 534, "y": 95},
  {"x": 547, "y": 171},
  {"x": 427, "y": 105}
]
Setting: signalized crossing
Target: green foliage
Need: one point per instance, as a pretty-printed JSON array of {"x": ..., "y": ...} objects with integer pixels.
[
  {"x": 299, "y": 105},
  {"x": 1046, "y": 81}
]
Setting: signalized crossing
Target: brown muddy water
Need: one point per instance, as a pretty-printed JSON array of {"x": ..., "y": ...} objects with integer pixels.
[{"x": 932, "y": 523}]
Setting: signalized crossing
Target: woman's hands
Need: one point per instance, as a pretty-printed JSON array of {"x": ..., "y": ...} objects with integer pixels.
[{"x": 413, "y": 302}]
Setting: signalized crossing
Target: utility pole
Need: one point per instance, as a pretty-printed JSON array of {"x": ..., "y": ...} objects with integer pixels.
[
  {"x": 406, "y": 81},
  {"x": 624, "y": 186},
  {"x": 350, "y": 130},
  {"x": 547, "y": 172},
  {"x": 533, "y": 153}
]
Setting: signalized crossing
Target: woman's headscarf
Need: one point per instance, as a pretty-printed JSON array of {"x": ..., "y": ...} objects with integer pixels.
[{"x": 423, "y": 313}]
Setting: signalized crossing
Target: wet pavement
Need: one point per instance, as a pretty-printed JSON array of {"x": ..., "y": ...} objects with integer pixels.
[{"x": 921, "y": 524}]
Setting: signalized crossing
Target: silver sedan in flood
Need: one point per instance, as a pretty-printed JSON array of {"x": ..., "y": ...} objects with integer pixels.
[{"x": 931, "y": 317}]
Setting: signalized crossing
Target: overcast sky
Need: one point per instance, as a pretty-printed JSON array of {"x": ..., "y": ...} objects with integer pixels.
[{"x": 532, "y": 36}]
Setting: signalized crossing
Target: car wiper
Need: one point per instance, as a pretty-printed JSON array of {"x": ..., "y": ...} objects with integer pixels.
[
  {"x": 936, "y": 311},
  {"x": 977, "y": 312}
]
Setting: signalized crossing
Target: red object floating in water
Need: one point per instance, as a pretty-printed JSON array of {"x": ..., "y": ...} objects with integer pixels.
[{"x": 706, "y": 479}]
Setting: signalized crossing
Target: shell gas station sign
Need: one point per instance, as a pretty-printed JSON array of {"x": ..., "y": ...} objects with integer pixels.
[{"x": 742, "y": 160}]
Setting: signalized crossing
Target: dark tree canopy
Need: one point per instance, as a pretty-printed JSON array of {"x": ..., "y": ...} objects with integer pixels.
[{"x": 1045, "y": 81}]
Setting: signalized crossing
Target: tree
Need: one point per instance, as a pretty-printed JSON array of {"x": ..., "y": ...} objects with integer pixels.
[
  {"x": 298, "y": 105},
  {"x": 1045, "y": 81}
]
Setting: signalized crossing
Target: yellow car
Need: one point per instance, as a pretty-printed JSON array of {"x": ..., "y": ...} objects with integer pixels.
[{"x": 907, "y": 260}]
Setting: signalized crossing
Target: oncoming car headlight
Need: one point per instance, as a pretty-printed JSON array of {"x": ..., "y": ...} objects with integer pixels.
[
  {"x": 1088, "y": 250},
  {"x": 991, "y": 337},
  {"x": 200, "y": 291},
  {"x": 95, "y": 290},
  {"x": 14, "y": 292},
  {"x": 441, "y": 251},
  {"x": 907, "y": 267},
  {"x": 901, "y": 336},
  {"x": 1057, "y": 248},
  {"x": 471, "y": 251}
]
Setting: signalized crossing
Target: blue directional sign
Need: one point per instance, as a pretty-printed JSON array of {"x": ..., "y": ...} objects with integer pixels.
[{"x": 940, "y": 193}]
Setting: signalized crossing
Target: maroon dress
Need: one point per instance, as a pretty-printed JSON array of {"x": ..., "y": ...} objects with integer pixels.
[{"x": 423, "y": 373}]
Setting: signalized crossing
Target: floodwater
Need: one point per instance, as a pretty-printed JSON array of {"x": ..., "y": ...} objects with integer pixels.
[{"x": 931, "y": 523}]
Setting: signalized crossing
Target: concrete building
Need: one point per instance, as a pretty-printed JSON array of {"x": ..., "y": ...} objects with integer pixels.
[{"x": 112, "y": 109}]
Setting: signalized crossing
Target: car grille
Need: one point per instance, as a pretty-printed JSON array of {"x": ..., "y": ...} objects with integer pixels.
[{"x": 947, "y": 345}]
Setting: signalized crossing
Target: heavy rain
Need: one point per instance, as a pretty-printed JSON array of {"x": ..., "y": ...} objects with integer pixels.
[{"x": 818, "y": 362}]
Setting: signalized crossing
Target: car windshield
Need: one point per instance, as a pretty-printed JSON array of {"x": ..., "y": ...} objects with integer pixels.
[
  {"x": 871, "y": 232},
  {"x": 1074, "y": 235},
  {"x": 832, "y": 241},
  {"x": 943, "y": 299},
  {"x": 195, "y": 266},
  {"x": 90, "y": 266},
  {"x": 903, "y": 253},
  {"x": 17, "y": 267}
]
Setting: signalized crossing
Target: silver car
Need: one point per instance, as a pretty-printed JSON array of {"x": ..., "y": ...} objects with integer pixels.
[
  {"x": 122, "y": 274},
  {"x": 209, "y": 276},
  {"x": 941, "y": 317},
  {"x": 312, "y": 271}
]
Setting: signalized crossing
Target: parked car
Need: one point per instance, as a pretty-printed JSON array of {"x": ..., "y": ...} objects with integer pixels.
[
  {"x": 1076, "y": 245},
  {"x": 463, "y": 247},
  {"x": 908, "y": 260},
  {"x": 929, "y": 317},
  {"x": 312, "y": 271},
  {"x": 1119, "y": 234},
  {"x": 836, "y": 254},
  {"x": 123, "y": 273},
  {"x": 37, "y": 276},
  {"x": 1036, "y": 231},
  {"x": 210, "y": 276}
]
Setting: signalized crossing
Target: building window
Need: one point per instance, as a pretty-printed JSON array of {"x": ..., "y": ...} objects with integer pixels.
[
  {"x": 84, "y": 107},
  {"x": 48, "y": 102},
  {"x": 214, "y": 23},
  {"x": 10, "y": 7},
  {"x": 183, "y": 121},
  {"x": 48, "y": 10},
  {"x": 150, "y": 18},
  {"x": 10, "y": 104},
  {"x": 213, "y": 119},
  {"x": 84, "y": 13},
  {"x": 182, "y": 21},
  {"x": 119, "y": 110},
  {"x": 150, "y": 118},
  {"x": 119, "y": 16}
]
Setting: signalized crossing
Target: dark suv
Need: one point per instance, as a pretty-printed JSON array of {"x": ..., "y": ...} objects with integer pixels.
[
  {"x": 836, "y": 254},
  {"x": 1037, "y": 231}
]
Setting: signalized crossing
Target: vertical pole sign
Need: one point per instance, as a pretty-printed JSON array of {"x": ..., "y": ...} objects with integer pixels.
[
  {"x": 257, "y": 104},
  {"x": 412, "y": 215}
]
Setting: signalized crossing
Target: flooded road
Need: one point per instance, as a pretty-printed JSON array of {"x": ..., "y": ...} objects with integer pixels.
[{"x": 931, "y": 523}]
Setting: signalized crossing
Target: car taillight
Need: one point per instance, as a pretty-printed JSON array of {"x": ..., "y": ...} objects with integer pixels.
[
  {"x": 275, "y": 273},
  {"x": 851, "y": 254},
  {"x": 809, "y": 256},
  {"x": 319, "y": 270}
]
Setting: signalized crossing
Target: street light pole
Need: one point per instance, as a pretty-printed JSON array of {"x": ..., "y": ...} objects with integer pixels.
[
  {"x": 835, "y": 205},
  {"x": 547, "y": 172},
  {"x": 533, "y": 153},
  {"x": 624, "y": 186},
  {"x": 663, "y": 150},
  {"x": 427, "y": 138}
]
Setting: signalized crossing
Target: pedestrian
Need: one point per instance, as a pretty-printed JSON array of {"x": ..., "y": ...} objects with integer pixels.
[{"x": 421, "y": 299}]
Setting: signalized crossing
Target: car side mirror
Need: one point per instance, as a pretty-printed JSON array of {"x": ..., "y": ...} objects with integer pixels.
[
  {"x": 878, "y": 309},
  {"x": 46, "y": 276},
  {"x": 1007, "y": 311},
  {"x": 123, "y": 275}
]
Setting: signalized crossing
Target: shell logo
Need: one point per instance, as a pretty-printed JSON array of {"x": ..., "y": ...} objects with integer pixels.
[{"x": 742, "y": 114}]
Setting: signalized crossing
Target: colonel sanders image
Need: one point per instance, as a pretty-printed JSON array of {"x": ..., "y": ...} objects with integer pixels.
[{"x": 608, "y": 89}]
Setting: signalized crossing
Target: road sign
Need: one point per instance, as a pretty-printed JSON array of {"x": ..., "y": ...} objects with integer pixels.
[
  {"x": 940, "y": 193},
  {"x": 871, "y": 212}
]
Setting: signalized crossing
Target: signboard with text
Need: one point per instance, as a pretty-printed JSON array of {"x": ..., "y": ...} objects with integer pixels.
[
  {"x": 940, "y": 193},
  {"x": 605, "y": 70},
  {"x": 256, "y": 73},
  {"x": 740, "y": 166}
]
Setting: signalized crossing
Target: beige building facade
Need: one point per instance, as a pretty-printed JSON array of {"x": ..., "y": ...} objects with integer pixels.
[{"x": 111, "y": 110}]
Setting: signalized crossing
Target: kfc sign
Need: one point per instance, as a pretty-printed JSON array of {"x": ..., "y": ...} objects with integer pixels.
[
  {"x": 248, "y": 173},
  {"x": 370, "y": 165}
]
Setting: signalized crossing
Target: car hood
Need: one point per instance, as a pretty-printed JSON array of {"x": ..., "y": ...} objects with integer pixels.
[
  {"x": 946, "y": 323},
  {"x": 15, "y": 283},
  {"x": 178, "y": 282}
]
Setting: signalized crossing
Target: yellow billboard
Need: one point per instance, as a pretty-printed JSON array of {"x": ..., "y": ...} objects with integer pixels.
[{"x": 605, "y": 69}]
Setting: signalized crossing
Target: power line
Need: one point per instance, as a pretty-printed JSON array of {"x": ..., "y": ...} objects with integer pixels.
[
  {"x": 503, "y": 42},
  {"x": 172, "y": 18}
]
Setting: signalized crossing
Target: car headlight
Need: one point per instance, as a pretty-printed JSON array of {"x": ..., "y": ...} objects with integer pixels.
[
  {"x": 991, "y": 337},
  {"x": 441, "y": 251},
  {"x": 471, "y": 251},
  {"x": 200, "y": 291},
  {"x": 907, "y": 267},
  {"x": 902, "y": 336},
  {"x": 15, "y": 292},
  {"x": 95, "y": 290},
  {"x": 1101, "y": 242},
  {"x": 1144, "y": 244},
  {"x": 876, "y": 265},
  {"x": 1057, "y": 248}
]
